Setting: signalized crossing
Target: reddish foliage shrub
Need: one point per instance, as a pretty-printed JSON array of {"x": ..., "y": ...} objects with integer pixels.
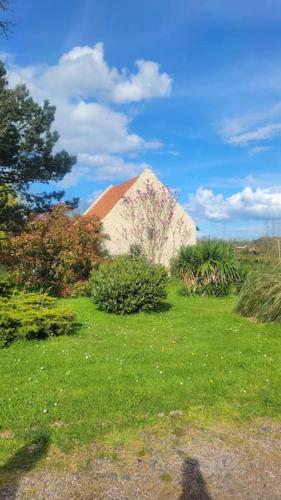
[{"x": 56, "y": 250}]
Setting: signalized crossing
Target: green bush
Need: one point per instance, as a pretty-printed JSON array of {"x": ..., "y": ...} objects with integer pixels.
[
  {"x": 260, "y": 296},
  {"x": 215, "y": 289},
  {"x": 80, "y": 289},
  {"x": 7, "y": 283},
  {"x": 127, "y": 285},
  {"x": 249, "y": 264},
  {"x": 209, "y": 268},
  {"x": 135, "y": 251},
  {"x": 30, "y": 316}
]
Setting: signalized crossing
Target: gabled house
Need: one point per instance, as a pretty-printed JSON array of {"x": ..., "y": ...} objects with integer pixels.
[{"x": 109, "y": 207}]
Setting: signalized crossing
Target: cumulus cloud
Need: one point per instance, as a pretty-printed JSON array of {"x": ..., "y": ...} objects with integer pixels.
[
  {"x": 102, "y": 167},
  {"x": 252, "y": 128},
  {"x": 87, "y": 127},
  {"x": 148, "y": 82},
  {"x": 87, "y": 92},
  {"x": 83, "y": 73},
  {"x": 249, "y": 203}
]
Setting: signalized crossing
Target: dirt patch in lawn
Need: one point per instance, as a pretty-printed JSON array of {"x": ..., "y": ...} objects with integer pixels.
[{"x": 221, "y": 462}]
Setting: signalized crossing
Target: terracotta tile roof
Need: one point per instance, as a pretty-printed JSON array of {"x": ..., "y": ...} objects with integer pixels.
[{"x": 105, "y": 204}]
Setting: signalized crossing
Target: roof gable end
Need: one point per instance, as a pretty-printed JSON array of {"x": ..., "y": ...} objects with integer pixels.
[{"x": 105, "y": 203}]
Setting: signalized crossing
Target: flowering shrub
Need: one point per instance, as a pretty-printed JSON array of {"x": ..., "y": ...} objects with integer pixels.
[
  {"x": 56, "y": 250},
  {"x": 128, "y": 285},
  {"x": 30, "y": 316},
  {"x": 150, "y": 220}
]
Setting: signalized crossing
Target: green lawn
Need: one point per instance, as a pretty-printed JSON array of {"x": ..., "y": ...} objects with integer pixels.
[{"x": 116, "y": 374}]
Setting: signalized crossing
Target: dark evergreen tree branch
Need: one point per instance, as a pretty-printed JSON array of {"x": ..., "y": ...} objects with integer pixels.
[{"x": 26, "y": 155}]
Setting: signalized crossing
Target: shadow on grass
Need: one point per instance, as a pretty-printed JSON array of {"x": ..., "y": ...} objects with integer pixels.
[
  {"x": 22, "y": 462},
  {"x": 163, "y": 307},
  {"x": 76, "y": 327},
  {"x": 193, "y": 484}
]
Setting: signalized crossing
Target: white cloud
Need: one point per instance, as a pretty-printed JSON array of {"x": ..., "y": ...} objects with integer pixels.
[
  {"x": 248, "y": 203},
  {"x": 102, "y": 167},
  {"x": 259, "y": 149},
  {"x": 252, "y": 128},
  {"x": 260, "y": 133},
  {"x": 148, "y": 82},
  {"x": 88, "y": 127},
  {"x": 83, "y": 73},
  {"x": 86, "y": 92}
]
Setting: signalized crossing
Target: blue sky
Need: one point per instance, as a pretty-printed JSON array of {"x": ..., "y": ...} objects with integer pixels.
[{"x": 191, "y": 88}]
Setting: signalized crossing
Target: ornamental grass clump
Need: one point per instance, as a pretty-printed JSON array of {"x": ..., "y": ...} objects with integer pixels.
[
  {"x": 209, "y": 268},
  {"x": 128, "y": 285},
  {"x": 260, "y": 297}
]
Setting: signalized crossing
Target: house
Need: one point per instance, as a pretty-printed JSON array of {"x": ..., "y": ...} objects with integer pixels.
[{"x": 110, "y": 207}]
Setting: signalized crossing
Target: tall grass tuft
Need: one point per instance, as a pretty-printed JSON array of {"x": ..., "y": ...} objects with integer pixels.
[
  {"x": 260, "y": 296},
  {"x": 210, "y": 266}
]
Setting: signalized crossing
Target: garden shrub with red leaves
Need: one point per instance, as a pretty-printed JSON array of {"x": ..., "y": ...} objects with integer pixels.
[{"x": 56, "y": 250}]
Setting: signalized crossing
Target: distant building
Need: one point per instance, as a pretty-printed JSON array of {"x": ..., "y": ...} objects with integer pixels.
[{"x": 109, "y": 207}]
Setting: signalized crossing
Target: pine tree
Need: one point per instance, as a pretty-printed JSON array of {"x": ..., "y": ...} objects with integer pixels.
[{"x": 26, "y": 154}]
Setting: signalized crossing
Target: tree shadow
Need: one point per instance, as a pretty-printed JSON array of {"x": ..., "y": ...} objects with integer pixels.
[
  {"x": 193, "y": 484},
  {"x": 22, "y": 462}
]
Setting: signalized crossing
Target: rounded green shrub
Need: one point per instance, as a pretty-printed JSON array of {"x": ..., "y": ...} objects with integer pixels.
[
  {"x": 128, "y": 285},
  {"x": 260, "y": 296}
]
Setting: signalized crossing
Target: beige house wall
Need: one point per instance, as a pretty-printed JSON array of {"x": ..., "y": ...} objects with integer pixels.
[{"x": 182, "y": 230}]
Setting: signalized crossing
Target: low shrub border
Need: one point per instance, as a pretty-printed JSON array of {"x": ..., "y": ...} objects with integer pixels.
[{"x": 30, "y": 316}]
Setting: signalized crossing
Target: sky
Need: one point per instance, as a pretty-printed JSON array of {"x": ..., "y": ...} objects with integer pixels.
[{"x": 191, "y": 88}]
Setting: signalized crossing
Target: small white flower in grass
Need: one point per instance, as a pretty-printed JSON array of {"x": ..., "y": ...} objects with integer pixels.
[
  {"x": 55, "y": 404},
  {"x": 181, "y": 383},
  {"x": 45, "y": 410}
]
